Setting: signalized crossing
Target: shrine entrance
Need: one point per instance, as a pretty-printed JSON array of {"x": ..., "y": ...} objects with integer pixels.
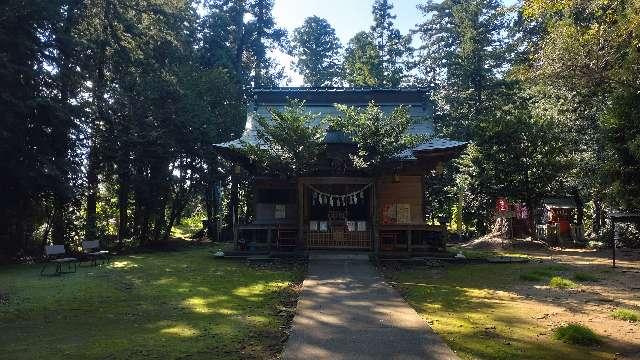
[{"x": 338, "y": 214}]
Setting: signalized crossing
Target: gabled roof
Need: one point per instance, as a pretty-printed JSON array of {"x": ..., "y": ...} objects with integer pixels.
[
  {"x": 341, "y": 95},
  {"x": 322, "y": 101}
]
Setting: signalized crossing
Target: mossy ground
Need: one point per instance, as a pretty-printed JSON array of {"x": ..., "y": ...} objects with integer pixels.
[
  {"x": 478, "y": 311},
  {"x": 163, "y": 305},
  {"x": 576, "y": 334}
]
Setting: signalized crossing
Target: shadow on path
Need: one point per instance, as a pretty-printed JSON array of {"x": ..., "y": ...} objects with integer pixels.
[{"x": 347, "y": 311}]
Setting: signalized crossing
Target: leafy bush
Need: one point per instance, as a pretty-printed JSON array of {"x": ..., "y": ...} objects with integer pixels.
[
  {"x": 576, "y": 334},
  {"x": 626, "y": 314},
  {"x": 559, "y": 282}
]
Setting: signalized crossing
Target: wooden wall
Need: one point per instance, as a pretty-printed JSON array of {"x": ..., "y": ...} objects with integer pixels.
[
  {"x": 405, "y": 190},
  {"x": 265, "y": 208}
]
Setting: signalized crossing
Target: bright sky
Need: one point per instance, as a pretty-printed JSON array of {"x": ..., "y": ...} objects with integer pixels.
[{"x": 347, "y": 16}]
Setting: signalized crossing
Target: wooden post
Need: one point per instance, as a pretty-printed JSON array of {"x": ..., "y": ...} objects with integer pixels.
[
  {"x": 300, "y": 243},
  {"x": 615, "y": 238},
  {"x": 409, "y": 233},
  {"x": 374, "y": 218}
]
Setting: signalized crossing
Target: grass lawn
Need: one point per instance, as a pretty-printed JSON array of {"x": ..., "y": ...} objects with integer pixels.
[
  {"x": 164, "y": 305},
  {"x": 483, "y": 310}
]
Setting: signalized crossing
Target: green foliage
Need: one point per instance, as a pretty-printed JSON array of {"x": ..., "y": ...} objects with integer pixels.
[
  {"x": 626, "y": 315},
  {"x": 592, "y": 100},
  {"x": 394, "y": 48},
  {"x": 379, "y": 137},
  {"x": 290, "y": 141},
  {"x": 559, "y": 282},
  {"x": 362, "y": 61},
  {"x": 576, "y": 334},
  {"x": 316, "y": 49}
]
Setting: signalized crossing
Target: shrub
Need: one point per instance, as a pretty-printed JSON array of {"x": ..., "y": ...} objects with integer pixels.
[
  {"x": 561, "y": 283},
  {"x": 625, "y": 314},
  {"x": 576, "y": 334},
  {"x": 584, "y": 277}
]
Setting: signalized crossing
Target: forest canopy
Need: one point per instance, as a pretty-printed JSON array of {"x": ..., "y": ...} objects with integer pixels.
[{"x": 110, "y": 108}]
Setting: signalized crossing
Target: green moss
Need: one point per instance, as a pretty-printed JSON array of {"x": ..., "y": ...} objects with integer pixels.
[
  {"x": 626, "y": 314},
  {"x": 471, "y": 308},
  {"x": 169, "y": 305},
  {"x": 585, "y": 277},
  {"x": 542, "y": 273},
  {"x": 531, "y": 276},
  {"x": 559, "y": 282},
  {"x": 576, "y": 334}
]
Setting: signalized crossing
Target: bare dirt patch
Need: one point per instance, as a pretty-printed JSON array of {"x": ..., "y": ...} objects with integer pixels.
[
  {"x": 496, "y": 242},
  {"x": 492, "y": 311}
]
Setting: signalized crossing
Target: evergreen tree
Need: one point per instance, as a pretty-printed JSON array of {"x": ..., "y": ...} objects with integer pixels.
[
  {"x": 463, "y": 54},
  {"x": 317, "y": 49},
  {"x": 362, "y": 61},
  {"x": 394, "y": 48}
]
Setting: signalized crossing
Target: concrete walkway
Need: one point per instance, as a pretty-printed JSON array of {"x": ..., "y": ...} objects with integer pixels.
[{"x": 347, "y": 311}]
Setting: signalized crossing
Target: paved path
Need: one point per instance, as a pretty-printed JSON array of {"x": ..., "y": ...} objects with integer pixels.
[{"x": 347, "y": 311}]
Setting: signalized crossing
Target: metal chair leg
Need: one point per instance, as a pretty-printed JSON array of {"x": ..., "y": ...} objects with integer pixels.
[{"x": 44, "y": 267}]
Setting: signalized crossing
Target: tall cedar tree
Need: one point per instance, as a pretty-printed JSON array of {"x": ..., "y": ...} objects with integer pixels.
[
  {"x": 362, "y": 62},
  {"x": 316, "y": 49},
  {"x": 394, "y": 48}
]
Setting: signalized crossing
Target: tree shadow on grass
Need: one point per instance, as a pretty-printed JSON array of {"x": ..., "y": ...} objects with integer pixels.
[
  {"x": 469, "y": 306},
  {"x": 153, "y": 306}
]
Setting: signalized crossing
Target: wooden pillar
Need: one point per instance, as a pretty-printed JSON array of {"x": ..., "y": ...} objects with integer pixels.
[
  {"x": 300, "y": 241},
  {"x": 374, "y": 218},
  {"x": 615, "y": 238},
  {"x": 409, "y": 234}
]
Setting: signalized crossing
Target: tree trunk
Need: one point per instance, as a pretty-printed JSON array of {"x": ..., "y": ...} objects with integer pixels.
[
  {"x": 597, "y": 215},
  {"x": 123, "y": 199},
  {"x": 232, "y": 213},
  {"x": 91, "y": 230},
  {"x": 211, "y": 200},
  {"x": 58, "y": 225}
]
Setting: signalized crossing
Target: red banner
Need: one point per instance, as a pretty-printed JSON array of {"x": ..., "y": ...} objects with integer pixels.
[{"x": 502, "y": 205}]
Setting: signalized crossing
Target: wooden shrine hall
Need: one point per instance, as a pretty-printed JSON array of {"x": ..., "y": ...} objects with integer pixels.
[{"x": 341, "y": 207}]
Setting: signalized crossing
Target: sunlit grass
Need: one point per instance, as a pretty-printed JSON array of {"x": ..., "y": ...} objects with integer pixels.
[
  {"x": 473, "y": 308},
  {"x": 184, "y": 304},
  {"x": 626, "y": 315},
  {"x": 576, "y": 334},
  {"x": 559, "y": 282}
]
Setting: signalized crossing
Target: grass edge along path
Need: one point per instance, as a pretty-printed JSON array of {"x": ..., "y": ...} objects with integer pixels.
[
  {"x": 182, "y": 304},
  {"x": 473, "y": 309}
]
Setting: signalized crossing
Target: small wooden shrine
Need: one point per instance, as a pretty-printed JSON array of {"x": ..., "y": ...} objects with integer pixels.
[{"x": 341, "y": 207}]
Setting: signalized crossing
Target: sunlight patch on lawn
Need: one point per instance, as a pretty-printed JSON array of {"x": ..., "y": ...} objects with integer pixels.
[
  {"x": 123, "y": 264},
  {"x": 181, "y": 330},
  {"x": 256, "y": 291},
  {"x": 202, "y": 305}
]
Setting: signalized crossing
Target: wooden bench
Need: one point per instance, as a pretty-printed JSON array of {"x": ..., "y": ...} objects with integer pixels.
[
  {"x": 56, "y": 254},
  {"x": 91, "y": 249}
]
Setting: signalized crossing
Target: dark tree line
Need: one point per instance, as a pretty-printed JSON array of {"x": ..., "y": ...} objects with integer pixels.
[{"x": 110, "y": 109}]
